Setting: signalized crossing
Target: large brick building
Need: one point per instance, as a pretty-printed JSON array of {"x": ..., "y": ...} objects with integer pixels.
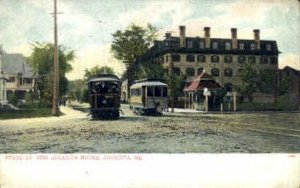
[{"x": 220, "y": 58}]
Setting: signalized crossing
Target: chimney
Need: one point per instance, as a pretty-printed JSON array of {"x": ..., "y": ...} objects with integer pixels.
[
  {"x": 207, "y": 37},
  {"x": 182, "y": 36},
  {"x": 168, "y": 35},
  {"x": 234, "y": 38},
  {"x": 256, "y": 38}
]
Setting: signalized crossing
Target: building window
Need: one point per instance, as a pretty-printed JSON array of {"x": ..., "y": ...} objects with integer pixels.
[
  {"x": 228, "y": 87},
  {"x": 11, "y": 79},
  {"x": 215, "y": 59},
  {"x": 21, "y": 81},
  {"x": 241, "y": 46},
  {"x": 201, "y": 45},
  {"x": 176, "y": 57},
  {"x": 199, "y": 71},
  {"x": 251, "y": 59},
  {"x": 252, "y": 46},
  {"x": 269, "y": 48},
  {"x": 215, "y": 45},
  {"x": 228, "y": 72},
  {"x": 228, "y": 59},
  {"x": 176, "y": 71},
  {"x": 190, "y": 58},
  {"x": 227, "y": 46},
  {"x": 215, "y": 72},
  {"x": 241, "y": 59},
  {"x": 190, "y": 44},
  {"x": 201, "y": 58},
  {"x": 273, "y": 60},
  {"x": 190, "y": 71},
  {"x": 27, "y": 80},
  {"x": 264, "y": 60}
]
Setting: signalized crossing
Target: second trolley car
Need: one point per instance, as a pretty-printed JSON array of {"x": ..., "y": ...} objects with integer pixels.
[
  {"x": 148, "y": 97},
  {"x": 104, "y": 96}
]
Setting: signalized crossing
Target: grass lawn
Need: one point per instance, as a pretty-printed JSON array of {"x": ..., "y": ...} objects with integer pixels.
[{"x": 25, "y": 113}]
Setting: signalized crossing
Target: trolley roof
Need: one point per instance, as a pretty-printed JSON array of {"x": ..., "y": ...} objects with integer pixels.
[
  {"x": 104, "y": 77},
  {"x": 148, "y": 83}
]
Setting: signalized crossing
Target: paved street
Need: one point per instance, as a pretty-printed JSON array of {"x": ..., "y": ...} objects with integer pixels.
[{"x": 171, "y": 133}]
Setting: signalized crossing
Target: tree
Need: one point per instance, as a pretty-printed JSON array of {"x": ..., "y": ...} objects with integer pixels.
[
  {"x": 129, "y": 45},
  {"x": 41, "y": 61},
  {"x": 97, "y": 70},
  {"x": 150, "y": 70},
  {"x": 255, "y": 80},
  {"x": 267, "y": 81},
  {"x": 249, "y": 81},
  {"x": 284, "y": 84}
]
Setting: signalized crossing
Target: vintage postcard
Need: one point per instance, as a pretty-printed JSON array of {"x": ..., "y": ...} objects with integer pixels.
[{"x": 153, "y": 93}]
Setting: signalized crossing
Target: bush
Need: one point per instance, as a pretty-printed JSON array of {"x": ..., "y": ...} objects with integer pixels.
[
  {"x": 256, "y": 106},
  {"x": 285, "y": 102},
  {"x": 13, "y": 99},
  {"x": 25, "y": 113}
]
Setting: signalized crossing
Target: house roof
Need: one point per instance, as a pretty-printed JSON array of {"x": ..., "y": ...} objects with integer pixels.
[
  {"x": 288, "y": 68},
  {"x": 202, "y": 81},
  {"x": 15, "y": 64}
]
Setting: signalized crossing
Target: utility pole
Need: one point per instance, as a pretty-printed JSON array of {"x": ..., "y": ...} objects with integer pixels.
[{"x": 55, "y": 108}]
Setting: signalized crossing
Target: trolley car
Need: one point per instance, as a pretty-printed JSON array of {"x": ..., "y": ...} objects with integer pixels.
[
  {"x": 104, "y": 96},
  {"x": 148, "y": 97}
]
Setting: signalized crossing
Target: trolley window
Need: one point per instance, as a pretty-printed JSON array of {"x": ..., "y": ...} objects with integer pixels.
[
  {"x": 165, "y": 91},
  {"x": 150, "y": 91},
  {"x": 135, "y": 92},
  {"x": 157, "y": 91},
  {"x": 104, "y": 87}
]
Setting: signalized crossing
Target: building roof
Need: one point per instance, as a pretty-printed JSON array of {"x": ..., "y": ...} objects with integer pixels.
[
  {"x": 16, "y": 64},
  {"x": 290, "y": 69},
  {"x": 172, "y": 45},
  {"x": 202, "y": 81}
]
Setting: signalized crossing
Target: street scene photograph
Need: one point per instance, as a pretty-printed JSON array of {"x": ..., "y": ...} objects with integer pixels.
[{"x": 150, "y": 77}]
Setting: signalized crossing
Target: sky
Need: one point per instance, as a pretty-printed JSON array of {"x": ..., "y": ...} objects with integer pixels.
[{"x": 87, "y": 26}]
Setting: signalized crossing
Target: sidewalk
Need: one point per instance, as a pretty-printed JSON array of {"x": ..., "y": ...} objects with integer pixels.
[{"x": 184, "y": 110}]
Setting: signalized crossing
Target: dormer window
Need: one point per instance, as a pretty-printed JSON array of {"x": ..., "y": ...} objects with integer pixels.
[
  {"x": 269, "y": 48},
  {"x": 215, "y": 45},
  {"x": 190, "y": 44},
  {"x": 252, "y": 46},
  {"x": 227, "y": 46},
  {"x": 241, "y": 46},
  {"x": 11, "y": 79}
]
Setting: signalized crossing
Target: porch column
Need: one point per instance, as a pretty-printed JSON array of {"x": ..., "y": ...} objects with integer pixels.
[
  {"x": 234, "y": 101},
  {"x": 184, "y": 100},
  {"x": 4, "y": 92},
  {"x": 192, "y": 100}
]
